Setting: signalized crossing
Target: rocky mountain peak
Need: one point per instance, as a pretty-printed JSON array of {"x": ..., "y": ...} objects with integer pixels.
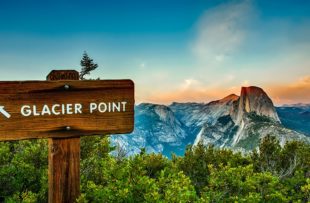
[
  {"x": 254, "y": 99},
  {"x": 226, "y": 100},
  {"x": 161, "y": 111},
  {"x": 164, "y": 113},
  {"x": 230, "y": 98}
]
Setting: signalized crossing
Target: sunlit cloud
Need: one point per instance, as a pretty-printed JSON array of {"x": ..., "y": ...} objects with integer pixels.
[
  {"x": 245, "y": 83},
  {"x": 183, "y": 96},
  {"x": 190, "y": 84},
  {"x": 192, "y": 90},
  {"x": 297, "y": 92},
  {"x": 230, "y": 77}
]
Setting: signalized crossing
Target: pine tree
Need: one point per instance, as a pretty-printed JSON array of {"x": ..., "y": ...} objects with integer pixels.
[{"x": 87, "y": 65}]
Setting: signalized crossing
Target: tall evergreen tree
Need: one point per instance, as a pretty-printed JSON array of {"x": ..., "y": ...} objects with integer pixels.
[{"x": 87, "y": 66}]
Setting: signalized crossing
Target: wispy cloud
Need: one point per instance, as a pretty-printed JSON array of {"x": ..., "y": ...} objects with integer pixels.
[
  {"x": 142, "y": 65},
  {"x": 221, "y": 31},
  {"x": 193, "y": 90},
  {"x": 196, "y": 95},
  {"x": 298, "y": 91},
  {"x": 190, "y": 84}
]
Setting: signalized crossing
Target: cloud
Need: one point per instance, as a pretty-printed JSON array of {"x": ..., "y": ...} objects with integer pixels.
[
  {"x": 296, "y": 92},
  {"x": 192, "y": 90},
  {"x": 245, "y": 83},
  {"x": 142, "y": 65},
  {"x": 197, "y": 95},
  {"x": 190, "y": 84},
  {"x": 221, "y": 31}
]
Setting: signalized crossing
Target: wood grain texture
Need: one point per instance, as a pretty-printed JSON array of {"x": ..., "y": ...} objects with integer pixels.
[
  {"x": 63, "y": 75},
  {"x": 63, "y": 161},
  {"x": 39, "y": 93},
  {"x": 63, "y": 170}
]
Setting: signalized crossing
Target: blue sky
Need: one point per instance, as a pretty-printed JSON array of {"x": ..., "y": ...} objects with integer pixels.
[{"x": 174, "y": 50}]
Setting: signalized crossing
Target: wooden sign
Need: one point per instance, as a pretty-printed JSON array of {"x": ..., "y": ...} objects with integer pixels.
[
  {"x": 63, "y": 75},
  {"x": 65, "y": 108},
  {"x": 63, "y": 158}
]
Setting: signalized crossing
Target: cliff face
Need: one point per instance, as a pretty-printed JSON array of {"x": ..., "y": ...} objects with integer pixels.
[
  {"x": 156, "y": 129},
  {"x": 253, "y": 100},
  {"x": 251, "y": 117}
]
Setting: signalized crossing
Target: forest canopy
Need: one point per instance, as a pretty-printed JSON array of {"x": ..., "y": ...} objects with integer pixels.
[{"x": 205, "y": 174}]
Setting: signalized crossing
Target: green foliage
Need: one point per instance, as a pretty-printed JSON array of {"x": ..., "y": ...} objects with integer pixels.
[
  {"x": 196, "y": 160},
  {"x": 291, "y": 164},
  {"x": 23, "y": 171},
  {"x": 142, "y": 178},
  {"x": 268, "y": 157},
  {"x": 242, "y": 184},
  {"x": 205, "y": 174},
  {"x": 306, "y": 190}
]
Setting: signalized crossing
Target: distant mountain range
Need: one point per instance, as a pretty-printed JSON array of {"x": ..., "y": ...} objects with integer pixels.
[
  {"x": 236, "y": 122},
  {"x": 296, "y": 117}
]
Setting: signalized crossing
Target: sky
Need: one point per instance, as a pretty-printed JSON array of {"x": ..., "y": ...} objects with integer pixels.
[{"x": 174, "y": 50}]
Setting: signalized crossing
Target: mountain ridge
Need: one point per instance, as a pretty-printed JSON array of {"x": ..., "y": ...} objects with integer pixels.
[{"x": 236, "y": 122}]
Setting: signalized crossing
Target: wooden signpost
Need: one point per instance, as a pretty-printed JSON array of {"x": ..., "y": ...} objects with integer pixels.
[{"x": 63, "y": 109}]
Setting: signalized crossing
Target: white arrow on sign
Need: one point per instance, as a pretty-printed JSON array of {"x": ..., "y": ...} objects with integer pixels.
[{"x": 4, "y": 112}]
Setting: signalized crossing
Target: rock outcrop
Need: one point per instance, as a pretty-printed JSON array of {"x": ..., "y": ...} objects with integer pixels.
[
  {"x": 250, "y": 117},
  {"x": 253, "y": 100}
]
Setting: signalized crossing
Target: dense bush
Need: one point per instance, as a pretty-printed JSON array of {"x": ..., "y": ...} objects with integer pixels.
[{"x": 204, "y": 174}]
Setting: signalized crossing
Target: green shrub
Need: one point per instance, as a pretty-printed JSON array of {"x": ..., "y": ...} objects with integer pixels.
[{"x": 204, "y": 174}]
